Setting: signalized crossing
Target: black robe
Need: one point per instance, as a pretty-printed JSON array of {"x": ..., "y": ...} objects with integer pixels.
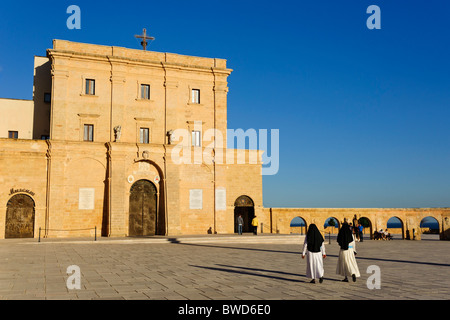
[
  {"x": 314, "y": 238},
  {"x": 345, "y": 236}
]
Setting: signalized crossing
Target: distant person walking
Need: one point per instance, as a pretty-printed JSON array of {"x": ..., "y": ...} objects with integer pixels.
[
  {"x": 240, "y": 223},
  {"x": 347, "y": 265},
  {"x": 314, "y": 250},
  {"x": 360, "y": 230},
  {"x": 255, "y": 225}
]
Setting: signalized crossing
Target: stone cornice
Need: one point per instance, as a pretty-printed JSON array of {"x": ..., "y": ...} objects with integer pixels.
[{"x": 120, "y": 59}]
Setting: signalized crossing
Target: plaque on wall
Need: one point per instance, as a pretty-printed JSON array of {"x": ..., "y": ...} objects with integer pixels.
[
  {"x": 221, "y": 199},
  {"x": 196, "y": 199},
  {"x": 86, "y": 198}
]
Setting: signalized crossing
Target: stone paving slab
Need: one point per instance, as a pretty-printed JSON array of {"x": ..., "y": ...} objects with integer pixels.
[{"x": 218, "y": 268}]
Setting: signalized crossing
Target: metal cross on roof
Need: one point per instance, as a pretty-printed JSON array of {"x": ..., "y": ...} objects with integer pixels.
[{"x": 144, "y": 38}]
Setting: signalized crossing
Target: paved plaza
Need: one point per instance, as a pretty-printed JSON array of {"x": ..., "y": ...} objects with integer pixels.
[{"x": 263, "y": 267}]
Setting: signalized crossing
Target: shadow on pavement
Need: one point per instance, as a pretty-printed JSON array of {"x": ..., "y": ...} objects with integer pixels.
[
  {"x": 256, "y": 272},
  {"x": 328, "y": 255}
]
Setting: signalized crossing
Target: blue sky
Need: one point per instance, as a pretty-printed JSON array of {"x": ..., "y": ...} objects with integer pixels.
[{"x": 363, "y": 114}]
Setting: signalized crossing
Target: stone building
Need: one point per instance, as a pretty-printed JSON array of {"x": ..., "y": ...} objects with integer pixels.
[
  {"x": 18, "y": 124},
  {"x": 127, "y": 141}
]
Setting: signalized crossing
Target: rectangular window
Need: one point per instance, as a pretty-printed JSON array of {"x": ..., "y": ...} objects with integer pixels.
[
  {"x": 13, "y": 134},
  {"x": 88, "y": 132},
  {"x": 90, "y": 86},
  {"x": 47, "y": 97},
  {"x": 195, "y": 96},
  {"x": 196, "y": 142},
  {"x": 143, "y": 135},
  {"x": 145, "y": 91}
]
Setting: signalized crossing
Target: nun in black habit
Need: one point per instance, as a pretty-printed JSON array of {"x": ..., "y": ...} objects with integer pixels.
[
  {"x": 347, "y": 265},
  {"x": 314, "y": 250}
]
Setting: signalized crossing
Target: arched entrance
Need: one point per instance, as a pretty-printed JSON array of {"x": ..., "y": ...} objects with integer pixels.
[
  {"x": 430, "y": 228},
  {"x": 331, "y": 225},
  {"x": 396, "y": 228},
  {"x": 367, "y": 227},
  {"x": 298, "y": 225},
  {"x": 143, "y": 218},
  {"x": 245, "y": 207},
  {"x": 19, "y": 217}
]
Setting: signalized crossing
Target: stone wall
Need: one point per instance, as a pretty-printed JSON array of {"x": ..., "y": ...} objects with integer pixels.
[{"x": 278, "y": 219}]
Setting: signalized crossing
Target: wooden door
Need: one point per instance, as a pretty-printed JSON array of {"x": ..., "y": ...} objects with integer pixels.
[
  {"x": 143, "y": 218},
  {"x": 19, "y": 217}
]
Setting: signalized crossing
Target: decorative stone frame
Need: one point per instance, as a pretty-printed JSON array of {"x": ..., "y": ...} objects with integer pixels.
[
  {"x": 144, "y": 123},
  {"x": 86, "y": 118}
]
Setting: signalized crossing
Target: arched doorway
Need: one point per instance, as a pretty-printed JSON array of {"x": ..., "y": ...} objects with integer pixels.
[
  {"x": 367, "y": 227},
  {"x": 245, "y": 207},
  {"x": 143, "y": 219},
  {"x": 331, "y": 225},
  {"x": 298, "y": 225},
  {"x": 19, "y": 217},
  {"x": 396, "y": 228},
  {"x": 429, "y": 228}
]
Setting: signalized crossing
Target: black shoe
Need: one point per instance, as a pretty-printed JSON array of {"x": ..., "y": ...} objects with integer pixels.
[
  {"x": 354, "y": 277},
  {"x": 345, "y": 280},
  {"x": 313, "y": 281},
  {"x": 321, "y": 280}
]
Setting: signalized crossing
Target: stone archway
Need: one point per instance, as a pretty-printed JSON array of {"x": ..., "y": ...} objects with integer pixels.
[
  {"x": 143, "y": 218},
  {"x": 367, "y": 226},
  {"x": 396, "y": 227},
  {"x": 298, "y": 225},
  {"x": 245, "y": 207},
  {"x": 430, "y": 228},
  {"x": 331, "y": 225},
  {"x": 20, "y": 214}
]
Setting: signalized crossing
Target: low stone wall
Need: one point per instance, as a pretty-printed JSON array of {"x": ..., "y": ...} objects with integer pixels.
[{"x": 278, "y": 220}]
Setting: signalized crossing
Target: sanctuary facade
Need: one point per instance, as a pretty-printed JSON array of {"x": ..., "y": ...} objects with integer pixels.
[{"x": 127, "y": 141}]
